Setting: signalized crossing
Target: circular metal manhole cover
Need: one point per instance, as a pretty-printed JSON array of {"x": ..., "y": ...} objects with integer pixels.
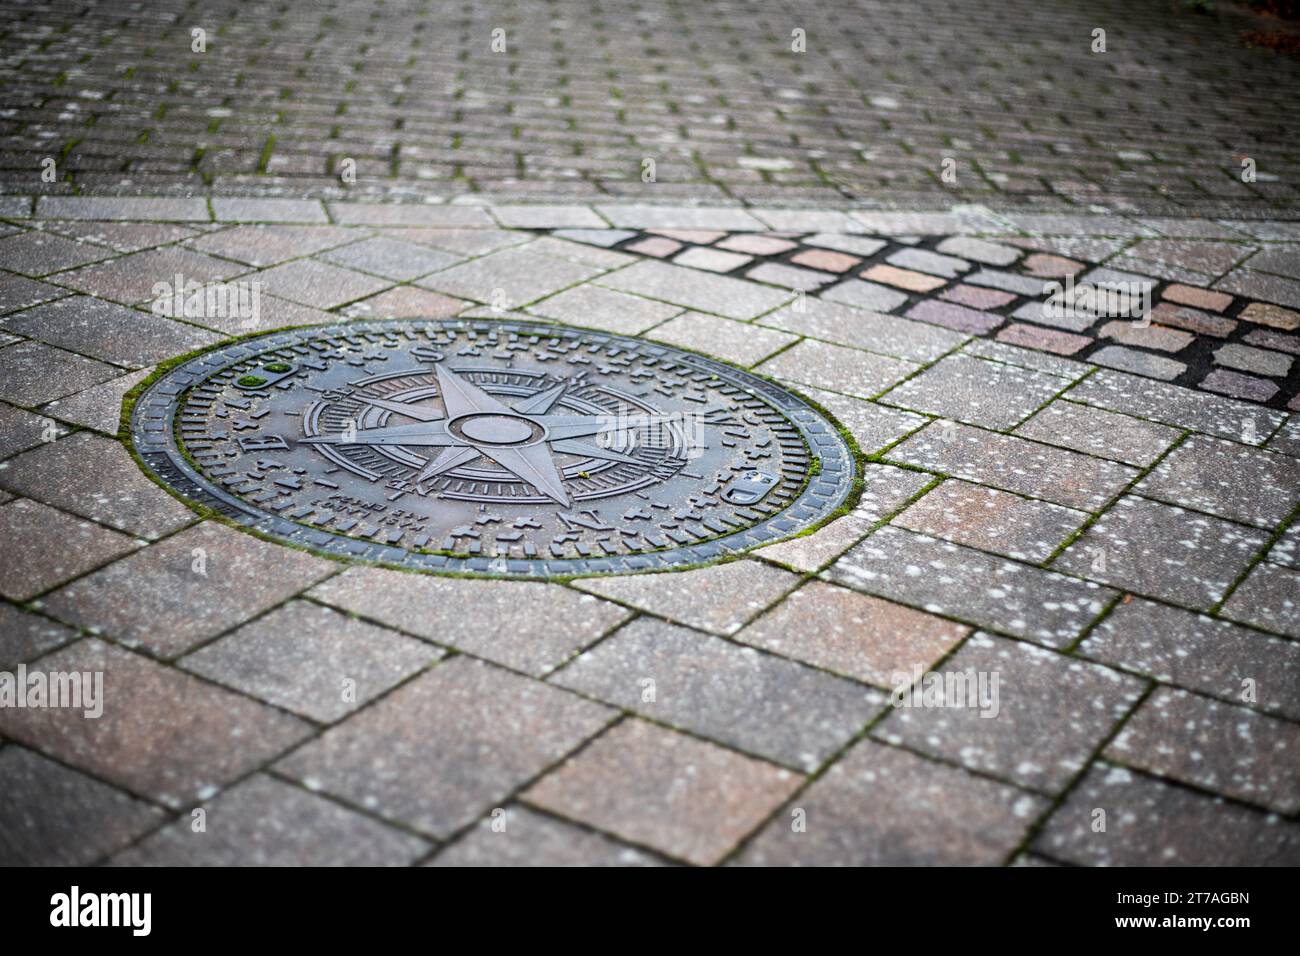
[{"x": 491, "y": 446}]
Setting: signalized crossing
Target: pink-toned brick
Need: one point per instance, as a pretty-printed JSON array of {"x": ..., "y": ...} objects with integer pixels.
[
  {"x": 903, "y": 278},
  {"x": 1045, "y": 340},
  {"x": 977, "y": 297},
  {"x": 826, "y": 260},
  {"x": 756, "y": 245},
  {"x": 1045, "y": 266},
  {"x": 1198, "y": 298},
  {"x": 656, "y": 246}
]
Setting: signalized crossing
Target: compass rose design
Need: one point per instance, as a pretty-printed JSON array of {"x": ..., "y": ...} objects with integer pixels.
[{"x": 521, "y": 438}]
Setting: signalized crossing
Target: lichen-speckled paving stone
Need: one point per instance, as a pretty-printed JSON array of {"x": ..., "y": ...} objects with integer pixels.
[
  {"x": 32, "y": 373},
  {"x": 872, "y": 426},
  {"x": 1227, "y": 479},
  {"x": 24, "y": 635},
  {"x": 685, "y": 797},
  {"x": 509, "y": 278},
  {"x": 131, "y": 279},
  {"x": 524, "y": 837},
  {"x": 992, "y": 520},
  {"x": 263, "y": 821},
  {"x": 1217, "y": 746},
  {"x": 1287, "y": 438},
  {"x": 96, "y": 478},
  {"x": 809, "y": 552},
  {"x": 318, "y": 284},
  {"x": 39, "y": 253},
  {"x": 311, "y": 660},
  {"x": 595, "y": 307},
  {"x": 1151, "y": 823},
  {"x": 970, "y": 585},
  {"x": 864, "y": 295},
  {"x": 1095, "y": 431},
  {"x": 163, "y": 733},
  {"x": 1268, "y": 598},
  {"x": 717, "y": 599},
  {"x": 1015, "y": 464},
  {"x": 731, "y": 341},
  {"x": 525, "y": 625},
  {"x": 880, "y": 806},
  {"x": 1286, "y": 550},
  {"x": 837, "y": 368},
  {"x": 262, "y": 246},
  {"x": 98, "y": 407},
  {"x": 1038, "y": 729},
  {"x": 1199, "y": 653},
  {"x": 1162, "y": 551},
  {"x": 168, "y": 597},
  {"x": 390, "y": 258},
  {"x": 859, "y": 328},
  {"x": 21, "y": 430},
  {"x": 44, "y": 547},
  {"x": 852, "y": 633},
  {"x": 447, "y": 746},
  {"x": 53, "y": 816},
  {"x": 709, "y": 686}
]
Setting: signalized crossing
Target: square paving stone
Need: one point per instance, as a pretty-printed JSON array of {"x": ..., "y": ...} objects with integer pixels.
[
  {"x": 318, "y": 284},
  {"x": 263, "y": 821},
  {"x": 45, "y": 547},
  {"x": 1014, "y": 464},
  {"x": 130, "y": 279},
  {"x": 390, "y": 258},
  {"x": 721, "y": 295},
  {"x": 1268, "y": 598},
  {"x": 529, "y": 838},
  {"x": 192, "y": 586},
  {"x": 592, "y": 306},
  {"x": 163, "y": 734},
  {"x": 1150, "y": 823},
  {"x": 992, "y": 520},
  {"x": 732, "y": 341},
  {"x": 1226, "y": 479},
  {"x": 40, "y": 253},
  {"x": 872, "y": 426},
  {"x": 717, "y": 599},
  {"x": 971, "y": 586},
  {"x": 525, "y": 625},
  {"x": 839, "y": 369},
  {"x": 32, "y": 373},
  {"x": 852, "y": 633},
  {"x": 1199, "y": 653},
  {"x": 708, "y": 686},
  {"x": 98, "y": 407},
  {"x": 684, "y": 797},
  {"x": 1216, "y": 746},
  {"x": 104, "y": 330},
  {"x": 95, "y": 477},
  {"x": 53, "y": 816},
  {"x": 1095, "y": 431},
  {"x": 263, "y": 246},
  {"x": 1162, "y": 551},
  {"x": 1048, "y": 714},
  {"x": 304, "y": 657},
  {"x": 874, "y": 331},
  {"x": 880, "y": 806},
  {"x": 405, "y": 302},
  {"x": 865, "y": 295},
  {"x": 446, "y": 747},
  {"x": 24, "y": 635},
  {"x": 509, "y": 278},
  {"x": 977, "y": 391}
]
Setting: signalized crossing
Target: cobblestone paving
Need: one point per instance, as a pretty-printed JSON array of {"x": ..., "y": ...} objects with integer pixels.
[{"x": 1118, "y": 549}]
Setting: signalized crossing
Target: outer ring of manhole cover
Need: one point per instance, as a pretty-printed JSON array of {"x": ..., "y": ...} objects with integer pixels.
[{"x": 491, "y": 447}]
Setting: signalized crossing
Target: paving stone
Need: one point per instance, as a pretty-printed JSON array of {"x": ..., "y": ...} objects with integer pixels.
[
  {"x": 789, "y": 277},
  {"x": 405, "y": 302},
  {"x": 865, "y": 295},
  {"x": 1259, "y": 285},
  {"x": 834, "y": 367},
  {"x": 546, "y": 217},
  {"x": 756, "y": 245},
  {"x": 408, "y": 214},
  {"x": 529, "y": 838},
  {"x": 711, "y": 260},
  {"x": 956, "y": 317},
  {"x": 1286, "y": 550},
  {"x": 1141, "y": 363},
  {"x": 1044, "y": 266},
  {"x": 886, "y": 489},
  {"x": 126, "y": 236},
  {"x": 1038, "y": 729},
  {"x": 99, "y": 407},
  {"x": 263, "y": 821},
  {"x": 32, "y": 373},
  {"x": 1287, "y": 438},
  {"x": 872, "y": 426},
  {"x": 976, "y": 297},
  {"x": 442, "y": 749},
  {"x": 1056, "y": 314},
  {"x": 1095, "y": 431},
  {"x": 1199, "y": 653},
  {"x": 132, "y": 279},
  {"x": 980, "y": 250},
  {"x": 598, "y": 237},
  {"x": 826, "y": 260},
  {"x": 1162, "y": 551},
  {"x": 1149, "y": 823},
  {"x": 969, "y": 585},
  {"x": 1192, "y": 320},
  {"x": 468, "y": 242},
  {"x": 903, "y": 278},
  {"x": 854, "y": 245},
  {"x": 700, "y": 236},
  {"x": 801, "y": 220},
  {"x": 1006, "y": 281},
  {"x": 731, "y": 341},
  {"x": 126, "y": 207},
  {"x": 1217, "y": 746},
  {"x": 1268, "y": 599},
  {"x": 96, "y": 478},
  {"x": 845, "y": 325},
  {"x": 1236, "y": 385},
  {"x": 1147, "y": 337},
  {"x": 931, "y": 263},
  {"x": 1273, "y": 340},
  {"x": 679, "y": 217},
  {"x": 977, "y": 391},
  {"x": 660, "y": 247},
  {"x": 317, "y": 284},
  {"x": 534, "y": 627},
  {"x": 40, "y": 253},
  {"x": 992, "y": 520},
  {"x": 163, "y": 734},
  {"x": 733, "y": 298},
  {"x": 922, "y": 814},
  {"x": 303, "y": 657},
  {"x": 1026, "y": 358},
  {"x": 1049, "y": 340},
  {"x": 578, "y": 252},
  {"x": 1262, "y": 313},
  {"x": 45, "y": 547},
  {"x": 53, "y": 816},
  {"x": 1204, "y": 256},
  {"x": 268, "y": 210},
  {"x": 1197, "y": 298},
  {"x": 390, "y": 258},
  {"x": 1210, "y": 475},
  {"x": 17, "y": 292},
  {"x": 1249, "y": 359},
  {"x": 809, "y": 552},
  {"x": 687, "y": 798},
  {"x": 24, "y": 636},
  {"x": 592, "y": 306},
  {"x": 21, "y": 430}
]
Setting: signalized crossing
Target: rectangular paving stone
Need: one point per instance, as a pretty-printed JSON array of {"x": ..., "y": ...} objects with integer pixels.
[
  {"x": 923, "y": 813},
  {"x": 593, "y": 306},
  {"x": 980, "y": 250},
  {"x": 40, "y": 253},
  {"x": 1227, "y": 479},
  {"x": 123, "y": 207},
  {"x": 409, "y": 214},
  {"x": 1049, "y": 340},
  {"x": 318, "y": 284},
  {"x": 976, "y": 391},
  {"x": 757, "y": 245},
  {"x": 1141, "y": 363},
  {"x": 1237, "y": 385},
  {"x": 661, "y": 247},
  {"x": 525, "y": 625},
  {"x": 45, "y": 547},
  {"x": 1040, "y": 728},
  {"x": 133, "y": 279},
  {"x": 163, "y": 734},
  {"x": 390, "y": 258},
  {"x": 1150, "y": 823},
  {"x": 1014, "y": 464},
  {"x": 1273, "y": 340},
  {"x": 844, "y": 325},
  {"x": 931, "y": 263},
  {"x": 447, "y": 746},
  {"x": 1192, "y": 320},
  {"x": 18, "y": 292},
  {"x": 971, "y": 586},
  {"x": 1162, "y": 551},
  {"x": 598, "y": 237},
  {"x": 632, "y": 216},
  {"x": 1268, "y": 598},
  {"x": 98, "y": 407},
  {"x": 872, "y": 426},
  {"x": 684, "y": 797},
  {"x": 902, "y": 278},
  {"x": 789, "y": 277},
  {"x": 976, "y": 297},
  {"x": 21, "y": 430},
  {"x": 1196, "y": 297},
  {"x": 956, "y": 317},
  {"x": 509, "y": 278},
  {"x": 711, "y": 260},
  {"x": 1274, "y": 316},
  {"x": 232, "y": 209},
  {"x": 1150, "y": 337},
  {"x": 515, "y": 216},
  {"x": 404, "y": 302},
  {"x": 1006, "y": 281},
  {"x": 865, "y": 295},
  {"x": 810, "y": 552},
  {"x": 127, "y": 236},
  {"x": 826, "y": 260},
  {"x": 1216, "y": 746},
  {"x": 1026, "y": 358},
  {"x": 525, "y": 837},
  {"x": 839, "y": 369},
  {"x": 1199, "y": 653},
  {"x": 262, "y": 246},
  {"x": 736, "y": 342},
  {"x": 32, "y": 373},
  {"x": 1095, "y": 431},
  {"x": 25, "y": 635},
  {"x": 1247, "y": 358},
  {"x": 1057, "y": 314},
  {"x": 1259, "y": 285}
]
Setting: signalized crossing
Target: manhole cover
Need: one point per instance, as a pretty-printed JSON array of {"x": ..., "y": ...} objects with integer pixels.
[{"x": 491, "y": 446}]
